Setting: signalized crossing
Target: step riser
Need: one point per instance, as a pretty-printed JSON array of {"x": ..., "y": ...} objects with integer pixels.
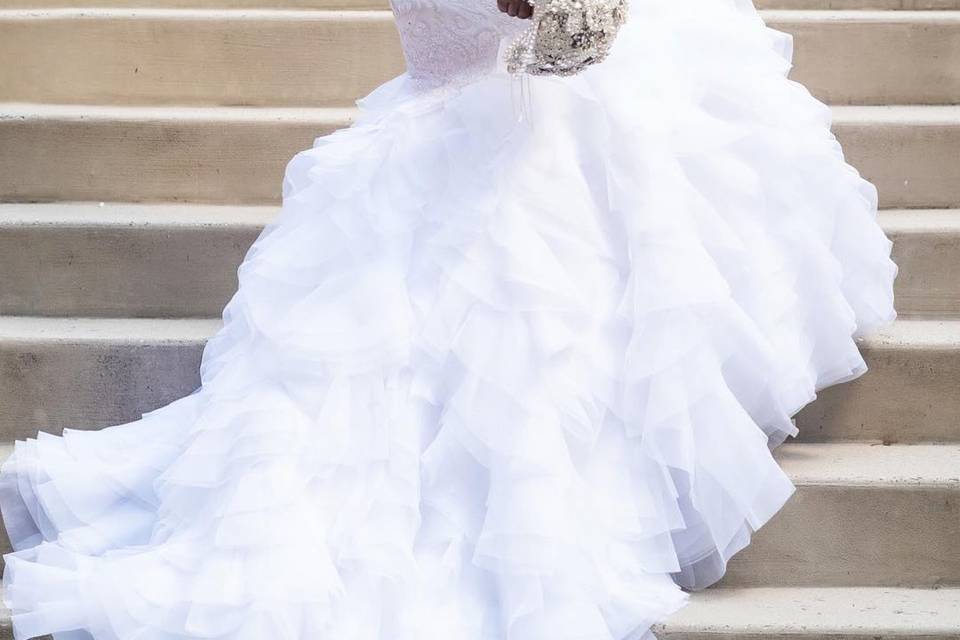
[
  {"x": 856, "y": 536},
  {"x": 241, "y": 162},
  {"x": 875, "y": 62},
  {"x": 927, "y": 285},
  {"x": 190, "y": 271},
  {"x": 136, "y": 59},
  {"x": 909, "y": 395},
  {"x": 51, "y": 385},
  {"x": 912, "y": 164},
  {"x": 120, "y": 271},
  {"x": 163, "y": 159},
  {"x": 321, "y": 59}
]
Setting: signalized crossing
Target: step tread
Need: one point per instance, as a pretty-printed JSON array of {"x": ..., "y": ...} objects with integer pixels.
[
  {"x": 849, "y": 464},
  {"x": 912, "y": 334},
  {"x": 124, "y": 214},
  {"x": 820, "y": 5},
  {"x": 197, "y": 13},
  {"x": 118, "y": 214},
  {"x": 861, "y": 15},
  {"x": 97, "y": 330},
  {"x": 807, "y": 611},
  {"x": 913, "y": 114},
  {"x": 924, "y": 221},
  {"x": 942, "y": 334},
  {"x": 871, "y": 464},
  {"x": 321, "y": 13},
  {"x": 933, "y": 114},
  {"x": 806, "y": 5},
  {"x": 916, "y": 334},
  {"x": 126, "y": 113}
]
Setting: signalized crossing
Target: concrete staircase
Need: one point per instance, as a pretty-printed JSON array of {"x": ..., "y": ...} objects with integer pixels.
[{"x": 195, "y": 106}]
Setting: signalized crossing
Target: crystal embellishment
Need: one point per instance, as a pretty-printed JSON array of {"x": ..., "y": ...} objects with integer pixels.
[{"x": 566, "y": 37}]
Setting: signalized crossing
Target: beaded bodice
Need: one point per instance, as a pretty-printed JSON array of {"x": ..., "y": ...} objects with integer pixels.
[{"x": 447, "y": 41}]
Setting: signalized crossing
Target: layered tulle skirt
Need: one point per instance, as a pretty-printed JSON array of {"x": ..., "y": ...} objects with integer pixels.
[{"x": 507, "y": 366}]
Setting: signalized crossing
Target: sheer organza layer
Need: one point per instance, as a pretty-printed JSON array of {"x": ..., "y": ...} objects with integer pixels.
[{"x": 490, "y": 375}]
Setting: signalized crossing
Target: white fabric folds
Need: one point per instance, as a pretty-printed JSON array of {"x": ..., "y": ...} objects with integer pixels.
[{"x": 486, "y": 379}]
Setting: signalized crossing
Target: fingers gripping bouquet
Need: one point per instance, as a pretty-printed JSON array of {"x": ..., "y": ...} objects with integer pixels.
[{"x": 566, "y": 37}]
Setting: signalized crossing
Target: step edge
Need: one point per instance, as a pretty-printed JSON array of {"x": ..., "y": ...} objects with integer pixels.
[
  {"x": 194, "y": 14},
  {"x": 133, "y": 216},
  {"x": 752, "y": 600},
  {"x": 34, "y": 330},
  {"x": 910, "y": 114},
  {"x": 861, "y": 16}
]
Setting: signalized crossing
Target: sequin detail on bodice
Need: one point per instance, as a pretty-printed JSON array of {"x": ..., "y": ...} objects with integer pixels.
[{"x": 452, "y": 41}]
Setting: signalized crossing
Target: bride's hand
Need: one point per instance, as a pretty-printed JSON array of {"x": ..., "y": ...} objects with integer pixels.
[{"x": 516, "y": 8}]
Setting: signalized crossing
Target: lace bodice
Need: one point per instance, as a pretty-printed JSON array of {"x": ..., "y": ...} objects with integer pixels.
[{"x": 447, "y": 41}]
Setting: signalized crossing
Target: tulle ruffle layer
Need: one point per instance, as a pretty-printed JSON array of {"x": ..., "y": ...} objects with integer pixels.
[{"x": 486, "y": 378}]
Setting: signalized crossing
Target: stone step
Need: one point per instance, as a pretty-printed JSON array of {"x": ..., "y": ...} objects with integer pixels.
[
  {"x": 48, "y": 364},
  {"x": 875, "y": 57},
  {"x": 909, "y": 394},
  {"x": 817, "y": 613},
  {"x": 908, "y": 152},
  {"x": 86, "y": 373},
  {"x": 863, "y": 515},
  {"x": 237, "y": 155},
  {"x": 824, "y": 613},
  {"x": 223, "y": 155},
  {"x": 822, "y": 5},
  {"x": 122, "y": 260},
  {"x": 927, "y": 249},
  {"x": 284, "y": 57},
  {"x": 174, "y": 260},
  {"x": 252, "y": 57}
]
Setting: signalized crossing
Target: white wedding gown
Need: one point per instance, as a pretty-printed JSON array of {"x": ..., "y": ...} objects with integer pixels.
[{"x": 508, "y": 365}]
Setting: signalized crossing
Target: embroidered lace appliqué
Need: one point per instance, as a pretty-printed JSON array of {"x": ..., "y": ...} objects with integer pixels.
[{"x": 451, "y": 41}]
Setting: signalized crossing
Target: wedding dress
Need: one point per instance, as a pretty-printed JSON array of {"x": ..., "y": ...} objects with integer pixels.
[{"x": 508, "y": 365}]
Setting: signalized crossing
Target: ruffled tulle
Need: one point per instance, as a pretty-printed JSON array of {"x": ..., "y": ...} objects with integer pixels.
[{"x": 497, "y": 371}]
